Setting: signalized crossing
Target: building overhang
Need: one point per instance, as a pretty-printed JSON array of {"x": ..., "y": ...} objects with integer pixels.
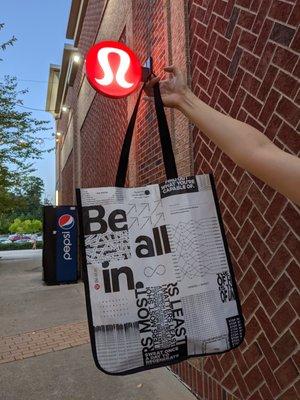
[
  {"x": 76, "y": 17},
  {"x": 67, "y": 74},
  {"x": 53, "y": 80}
]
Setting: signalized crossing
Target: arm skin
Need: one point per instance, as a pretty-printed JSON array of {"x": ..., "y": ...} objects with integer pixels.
[{"x": 245, "y": 145}]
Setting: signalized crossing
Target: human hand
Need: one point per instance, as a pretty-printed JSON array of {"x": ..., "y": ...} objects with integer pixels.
[{"x": 172, "y": 90}]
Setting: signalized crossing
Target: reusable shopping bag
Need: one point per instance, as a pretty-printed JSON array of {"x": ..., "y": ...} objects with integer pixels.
[{"x": 159, "y": 283}]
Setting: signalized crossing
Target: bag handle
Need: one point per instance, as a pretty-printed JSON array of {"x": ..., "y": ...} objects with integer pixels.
[{"x": 165, "y": 139}]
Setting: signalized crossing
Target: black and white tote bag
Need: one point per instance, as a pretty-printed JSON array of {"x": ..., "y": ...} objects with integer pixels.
[{"x": 159, "y": 283}]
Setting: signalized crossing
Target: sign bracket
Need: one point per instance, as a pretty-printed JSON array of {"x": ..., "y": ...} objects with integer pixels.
[{"x": 147, "y": 69}]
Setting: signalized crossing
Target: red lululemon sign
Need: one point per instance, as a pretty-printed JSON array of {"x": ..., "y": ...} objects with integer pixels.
[{"x": 113, "y": 69}]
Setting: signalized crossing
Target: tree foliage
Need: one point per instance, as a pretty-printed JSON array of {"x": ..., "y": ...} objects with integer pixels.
[
  {"x": 21, "y": 141},
  {"x": 26, "y": 226}
]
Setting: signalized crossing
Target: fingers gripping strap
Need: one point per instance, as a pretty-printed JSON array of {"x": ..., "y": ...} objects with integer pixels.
[{"x": 165, "y": 139}]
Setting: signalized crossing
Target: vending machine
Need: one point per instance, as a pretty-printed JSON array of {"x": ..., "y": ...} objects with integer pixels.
[{"x": 60, "y": 250}]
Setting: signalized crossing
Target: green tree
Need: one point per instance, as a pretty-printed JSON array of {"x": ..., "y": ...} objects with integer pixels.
[
  {"x": 26, "y": 226},
  {"x": 29, "y": 195},
  {"x": 21, "y": 138}
]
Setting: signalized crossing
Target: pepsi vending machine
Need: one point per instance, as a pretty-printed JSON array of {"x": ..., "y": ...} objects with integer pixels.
[{"x": 60, "y": 254}]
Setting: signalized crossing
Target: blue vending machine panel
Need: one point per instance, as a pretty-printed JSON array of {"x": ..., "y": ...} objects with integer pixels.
[{"x": 66, "y": 244}]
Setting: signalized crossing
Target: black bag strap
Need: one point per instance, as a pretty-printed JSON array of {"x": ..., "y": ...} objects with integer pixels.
[{"x": 165, "y": 139}]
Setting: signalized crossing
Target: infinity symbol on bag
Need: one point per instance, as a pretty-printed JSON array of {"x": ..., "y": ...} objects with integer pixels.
[{"x": 159, "y": 270}]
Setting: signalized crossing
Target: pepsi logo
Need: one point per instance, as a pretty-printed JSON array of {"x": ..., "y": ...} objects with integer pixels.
[
  {"x": 96, "y": 286},
  {"x": 66, "y": 221}
]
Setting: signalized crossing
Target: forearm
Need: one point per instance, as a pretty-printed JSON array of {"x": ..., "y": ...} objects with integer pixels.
[
  {"x": 237, "y": 139},
  {"x": 246, "y": 146}
]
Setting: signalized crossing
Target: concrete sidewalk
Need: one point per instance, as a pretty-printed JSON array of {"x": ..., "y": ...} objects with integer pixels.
[{"x": 44, "y": 349}]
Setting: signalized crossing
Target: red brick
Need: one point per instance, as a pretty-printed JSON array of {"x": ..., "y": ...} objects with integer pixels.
[
  {"x": 252, "y": 329},
  {"x": 267, "y": 82},
  {"x": 286, "y": 373},
  {"x": 261, "y": 15},
  {"x": 269, "y": 377},
  {"x": 265, "y": 392},
  {"x": 252, "y": 106},
  {"x": 269, "y": 106},
  {"x": 277, "y": 234},
  {"x": 247, "y": 40},
  {"x": 262, "y": 272},
  {"x": 245, "y": 234},
  {"x": 288, "y": 110},
  {"x": 264, "y": 60},
  {"x": 282, "y": 34},
  {"x": 253, "y": 378},
  {"x": 289, "y": 137},
  {"x": 285, "y": 59},
  {"x": 264, "y": 297},
  {"x": 295, "y": 15},
  {"x": 295, "y": 45},
  {"x": 279, "y": 261},
  {"x": 249, "y": 61},
  {"x": 283, "y": 317},
  {"x": 245, "y": 206},
  {"x": 250, "y": 83},
  {"x": 199, "y": 389},
  {"x": 275, "y": 208},
  {"x": 233, "y": 52},
  {"x": 247, "y": 283},
  {"x": 267, "y": 350},
  {"x": 252, "y": 354},
  {"x": 255, "y": 5},
  {"x": 295, "y": 328},
  {"x": 223, "y": 63},
  {"x": 224, "y": 102},
  {"x": 247, "y": 256},
  {"x": 240, "y": 382},
  {"x": 285, "y": 346},
  {"x": 286, "y": 84},
  {"x": 292, "y": 244},
  {"x": 260, "y": 224},
  {"x": 280, "y": 10},
  {"x": 266, "y": 324},
  {"x": 293, "y": 271},
  {"x": 294, "y": 300},
  {"x": 262, "y": 250},
  {"x": 281, "y": 289},
  {"x": 238, "y": 101},
  {"x": 240, "y": 361},
  {"x": 246, "y": 19},
  {"x": 289, "y": 394},
  {"x": 263, "y": 36},
  {"x": 258, "y": 198},
  {"x": 273, "y": 126}
]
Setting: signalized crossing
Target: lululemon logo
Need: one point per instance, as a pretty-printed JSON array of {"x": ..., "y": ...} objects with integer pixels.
[
  {"x": 113, "y": 69},
  {"x": 108, "y": 73}
]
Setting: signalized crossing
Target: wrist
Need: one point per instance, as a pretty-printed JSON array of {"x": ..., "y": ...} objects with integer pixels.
[{"x": 186, "y": 100}]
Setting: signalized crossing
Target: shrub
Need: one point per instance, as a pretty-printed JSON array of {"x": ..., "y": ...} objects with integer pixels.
[{"x": 19, "y": 246}]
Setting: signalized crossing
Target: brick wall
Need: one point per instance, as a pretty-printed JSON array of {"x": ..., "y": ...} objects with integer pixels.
[
  {"x": 244, "y": 62},
  {"x": 101, "y": 141},
  {"x": 67, "y": 178},
  {"x": 148, "y": 152}
]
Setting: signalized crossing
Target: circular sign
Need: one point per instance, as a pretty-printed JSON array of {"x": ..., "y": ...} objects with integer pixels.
[
  {"x": 66, "y": 221},
  {"x": 113, "y": 69}
]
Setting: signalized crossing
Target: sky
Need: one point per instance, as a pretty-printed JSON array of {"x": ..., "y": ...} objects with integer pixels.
[{"x": 40, "y": 28}]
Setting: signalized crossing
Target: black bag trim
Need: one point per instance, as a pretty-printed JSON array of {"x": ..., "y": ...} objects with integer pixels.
[
  {"x": 88, "y": 298},
  {"x": 164, "y": 134}
]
